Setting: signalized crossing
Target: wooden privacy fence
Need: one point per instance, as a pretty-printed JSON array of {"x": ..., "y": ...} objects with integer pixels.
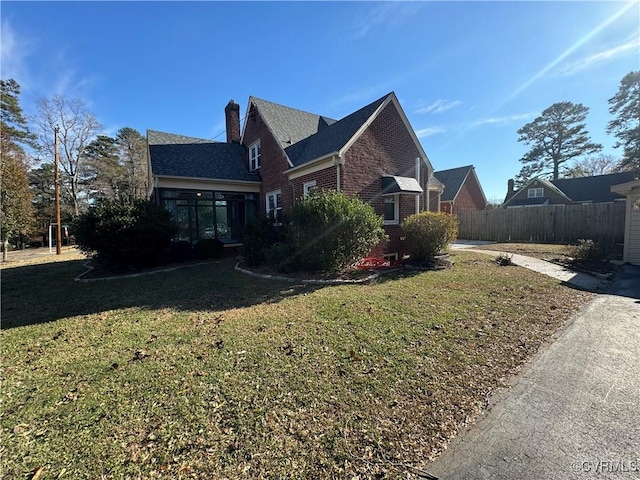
[{"x": 602, "y": 222}]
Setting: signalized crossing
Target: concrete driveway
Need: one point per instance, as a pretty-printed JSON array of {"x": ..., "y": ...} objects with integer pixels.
[{"x": 574, "y": 413}]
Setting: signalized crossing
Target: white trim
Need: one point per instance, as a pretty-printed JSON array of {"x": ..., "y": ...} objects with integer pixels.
[
  {"x": 396, "y": 212},
  {"x": 310, "y": 167},
  {"x": 273, "y": 193},
  {"x": 390, "y": 256},
  {"x": 258, "y": 156},
  {"x": 390, "y": 98},
  {"x": 208, "y": 184},
  {"x": 535, "y": 191},
  {"x": 307, "y": 187},
  {"x": 273, "y": 135}
]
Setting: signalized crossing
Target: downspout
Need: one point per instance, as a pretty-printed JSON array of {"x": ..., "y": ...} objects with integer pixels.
[
  {"x": 429, "y": 175},
  {"x": 417, "y": 174},
  {"x": 337, "y": 161}
]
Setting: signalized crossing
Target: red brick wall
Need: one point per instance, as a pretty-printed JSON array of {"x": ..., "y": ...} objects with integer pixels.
[
  {"x": 325, "y": 179},
  {"x": 385, "y": 148},
  {"x": 469, "y": 197},
  {"x": 273, "y": 161}
]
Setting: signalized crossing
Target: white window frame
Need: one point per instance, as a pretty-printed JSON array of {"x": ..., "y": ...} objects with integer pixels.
[
  {"x": 535, "y": 192},
  {"x": 255, "y": 156},
  {"x": 396, "y": 210},
  {"x": 307, "y": 187},
  {"x": 273, "y": 196}
]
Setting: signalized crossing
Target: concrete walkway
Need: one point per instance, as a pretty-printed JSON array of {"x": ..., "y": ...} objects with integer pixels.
[{"x": 575, "y": 411}]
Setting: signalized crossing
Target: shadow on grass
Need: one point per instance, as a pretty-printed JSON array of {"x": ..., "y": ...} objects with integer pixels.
[{"x": 37, "y": 294}]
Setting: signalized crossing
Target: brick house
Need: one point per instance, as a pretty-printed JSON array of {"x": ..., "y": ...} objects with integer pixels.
[
  {"x": 462, "y": 190},
  {"x": 564, "y": 191},
  {"x": 280, "y": 155}
]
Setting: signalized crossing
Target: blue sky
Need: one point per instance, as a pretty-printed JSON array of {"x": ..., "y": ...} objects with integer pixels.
[{"x": 468, "y": 74}]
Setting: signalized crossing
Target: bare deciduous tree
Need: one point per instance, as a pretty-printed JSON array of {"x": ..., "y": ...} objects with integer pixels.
[{"x": 77, "y": 128}]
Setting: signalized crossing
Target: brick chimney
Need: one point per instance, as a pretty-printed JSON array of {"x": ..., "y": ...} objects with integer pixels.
[
  {"x": 510, "y": 187},
  {"x": 232, "y": 117}
]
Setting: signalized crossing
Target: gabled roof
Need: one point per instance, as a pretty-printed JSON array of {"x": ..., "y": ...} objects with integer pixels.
[
  {"x": 593, "y": 189},
  {"x": 174, "y": 155},
  {"x": 287, "y": 124},
  {"x": 453, "y": 179},
  {"x": 333, "y": 137}
]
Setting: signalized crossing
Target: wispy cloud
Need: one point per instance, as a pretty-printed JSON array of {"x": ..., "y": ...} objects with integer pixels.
[
  {"x": 427, "y": 132},
  {"x": 387, "y": 13},
  {"x": 630, "y": 46},
  {"x": 439, "y": 106},
  {"x": 13, "y": 53},
  {"x": 503, "y": 120},
  {"x": 581, "y": 41}
]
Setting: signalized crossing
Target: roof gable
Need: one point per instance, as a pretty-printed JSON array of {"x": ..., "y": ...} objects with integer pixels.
[
  {"x": 333, "y": 137},
  {"x": 289, "y": 125},
  {"x": 453, "y": 179},
  {"x": 172, "y": 155}
]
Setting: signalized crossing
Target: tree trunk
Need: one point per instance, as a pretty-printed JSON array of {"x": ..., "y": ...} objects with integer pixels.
[{"x": 5, "y": 250}]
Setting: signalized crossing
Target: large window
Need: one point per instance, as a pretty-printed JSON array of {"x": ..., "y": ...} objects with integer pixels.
[
  {"x": 391, "y": 212},
  {"x": 206, "y": 214},
  {"x": 274, "y": 206},
  {"x": 254, "y": 156}
]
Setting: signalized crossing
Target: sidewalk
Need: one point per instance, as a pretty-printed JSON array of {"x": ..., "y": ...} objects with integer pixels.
[{"x": 573, "y": 413}]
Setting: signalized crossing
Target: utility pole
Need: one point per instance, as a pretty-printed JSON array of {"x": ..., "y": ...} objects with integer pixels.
[{"x": 57, "y": 185}]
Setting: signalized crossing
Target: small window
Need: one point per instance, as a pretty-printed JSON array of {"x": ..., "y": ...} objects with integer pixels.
[
  {"x": 274, "y": 207},
  {"x": 308, "y": 187},
  {"x": 391, "y": 210},
  {"x": 535, "y": 192},
  {"x": 254, "y": 156}
]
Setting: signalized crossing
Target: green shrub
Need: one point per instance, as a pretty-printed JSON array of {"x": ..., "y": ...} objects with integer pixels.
[
  {"x": 428, "y": 233},
  {"x": 208, "y": 248},
  {"x": 259, "y": 236},
  {"x": 330, "y": 231},
  {"x": 126, "y": 236}
]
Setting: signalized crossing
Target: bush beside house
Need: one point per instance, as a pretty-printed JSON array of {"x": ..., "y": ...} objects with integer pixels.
[
  {"x": 325, "y": 231},
  {"x": 428, "y": 233},
  {"x": 126, "y": 236}
]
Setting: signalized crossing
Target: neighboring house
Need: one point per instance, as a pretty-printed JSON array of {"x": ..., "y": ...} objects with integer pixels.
[
  {"x": 631, "y": 190},
  {"x": 280, "y": 155},
  {"x": 564, "y": 191},
  {"x": 462, "y": 190}
]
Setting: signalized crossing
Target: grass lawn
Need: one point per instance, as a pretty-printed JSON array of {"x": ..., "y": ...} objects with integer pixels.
[{"x": 206, "y": 373}]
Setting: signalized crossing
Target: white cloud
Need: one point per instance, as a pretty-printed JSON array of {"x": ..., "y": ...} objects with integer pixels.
[
  {"x": 427, "y": 132},
  {"x": 13, "y": 53},
  {"x": 503, "y": 120},
  {"x": 630, "y": 46},
  {"x": 386, "y": 13},
  {"x": 439, "y": 106}
]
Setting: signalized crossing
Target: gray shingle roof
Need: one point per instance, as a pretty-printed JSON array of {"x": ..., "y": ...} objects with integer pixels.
[
  {"x": 180, "y": 156},
  {"x": 452, "y": 180},
  {"x": 595, "y": 189},
  {"x": 305, "y": 136},
  {"x": 289, "y": 125}
]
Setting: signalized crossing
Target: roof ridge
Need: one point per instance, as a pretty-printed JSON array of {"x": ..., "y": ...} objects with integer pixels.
[
  {"x": 198, "y": 139},
  {"x": 251, "y": 97}
]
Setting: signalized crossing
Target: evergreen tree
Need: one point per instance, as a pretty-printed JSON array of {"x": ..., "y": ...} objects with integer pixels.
[
  {"x": 556, "y": 137},
  {"x": 625, "y": 105}
]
